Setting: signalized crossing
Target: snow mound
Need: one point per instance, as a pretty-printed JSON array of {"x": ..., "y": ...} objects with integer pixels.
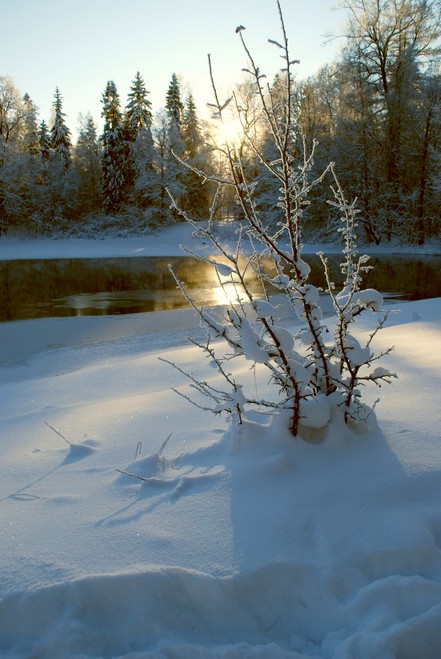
[{"x": 281, "y": 610}]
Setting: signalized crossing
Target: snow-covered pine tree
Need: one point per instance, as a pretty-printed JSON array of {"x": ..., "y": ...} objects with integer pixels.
[
  {"x": 138, "y": 112},
  {"x": 136, "y": 116},
  {"x": 114, "y": 152},
  {"x": 138, "y": 122},
  {"x": 173, "y": 102},
  {"x": 161, "y": 146},
  {"x": 44, "y": 141},
  {"x": 31, "y": 141},
  {"x": 61, "y": 183},
  {"x": 87, "y": 163},
  {"x": 196, "y": 154},
  {"x": 60, "y": 133},
  {"x": 193, "y": 139},
  {"x": 39, "y": 208},
  {"x": 174, "y": 170}
]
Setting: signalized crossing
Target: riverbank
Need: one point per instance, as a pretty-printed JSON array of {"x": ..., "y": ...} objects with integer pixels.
[{"x": 162, "y": 243}]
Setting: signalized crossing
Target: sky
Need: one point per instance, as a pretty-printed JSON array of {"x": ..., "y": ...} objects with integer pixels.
[{"x": 79, "y": 46}]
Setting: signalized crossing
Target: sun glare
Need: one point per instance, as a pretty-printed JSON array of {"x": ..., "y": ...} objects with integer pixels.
[
  {"x": 229, "y": 293},
  {"x": 230, "y": 130}
]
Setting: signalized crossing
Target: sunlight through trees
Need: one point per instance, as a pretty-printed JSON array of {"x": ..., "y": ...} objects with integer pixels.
[{"x": 375, "y": 112}]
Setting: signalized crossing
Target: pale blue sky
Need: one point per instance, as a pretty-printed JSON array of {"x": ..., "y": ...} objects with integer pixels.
[{"x": 79, "y": 45}]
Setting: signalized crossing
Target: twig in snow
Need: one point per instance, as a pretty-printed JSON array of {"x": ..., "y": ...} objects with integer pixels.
[{"x": 58, "y": 433}]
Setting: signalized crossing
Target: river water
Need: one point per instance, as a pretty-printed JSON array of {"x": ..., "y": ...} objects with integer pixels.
[{"x": 78, "y": 287}]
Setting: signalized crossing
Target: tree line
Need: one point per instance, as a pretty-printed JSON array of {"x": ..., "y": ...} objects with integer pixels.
[
  {"x": 375, "y": 111},
  {"x": 48, "y": 184}
]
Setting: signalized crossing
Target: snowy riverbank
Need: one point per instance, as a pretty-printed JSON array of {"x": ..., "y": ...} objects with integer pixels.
[{"x": 162, "y": 243}]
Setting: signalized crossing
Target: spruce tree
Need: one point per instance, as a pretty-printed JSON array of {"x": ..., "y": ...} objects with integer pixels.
[
  {"x": 175, "y": 112},
  {"x": 60, "y": 133},
  {"x": 31, "y": 141},
  {"x": 141, "y": 177},
  {"x": 191, "y": 131},
  {"x": 44, "y": 141},
  {"x": 196, "y": 154},
  {"x": 146, "y": 190},
  {"x": 42, "y": 188},
  {"x": 173, "y": 103},
  {"x": 114, "y": 152},
  {"x": 29, "y": 167},
  {"x": 87, "y": 164},
  {"x": 174, "y": 170},
  {"x": 138, "y": 114}
]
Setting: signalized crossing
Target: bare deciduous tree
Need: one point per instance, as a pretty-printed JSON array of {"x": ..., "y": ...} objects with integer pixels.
[{"x": 313, "y": 377}]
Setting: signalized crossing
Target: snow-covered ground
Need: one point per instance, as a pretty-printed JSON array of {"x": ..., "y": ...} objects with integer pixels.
[
  {"x": 161, "y": 243},
  {"x": 236, "y": 544}
]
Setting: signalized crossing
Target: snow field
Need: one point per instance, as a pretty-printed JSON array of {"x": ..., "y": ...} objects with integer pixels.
[{"x": 218, "y": 543}]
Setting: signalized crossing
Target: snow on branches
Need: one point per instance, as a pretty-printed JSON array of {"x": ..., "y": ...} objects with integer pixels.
[{"x": 312, "y": 375}]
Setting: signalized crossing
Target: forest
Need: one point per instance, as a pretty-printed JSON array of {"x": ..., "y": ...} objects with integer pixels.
[{"x": 375, "y": 112}]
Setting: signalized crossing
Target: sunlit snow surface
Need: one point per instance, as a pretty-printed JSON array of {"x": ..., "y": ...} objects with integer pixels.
[{"x": 218, "y": 543}]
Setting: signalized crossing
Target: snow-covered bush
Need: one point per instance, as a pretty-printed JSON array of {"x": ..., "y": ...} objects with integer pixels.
[{"x": 315, "y": 375}]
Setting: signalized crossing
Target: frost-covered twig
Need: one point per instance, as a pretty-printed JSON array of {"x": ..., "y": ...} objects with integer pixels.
[{"x": 305, "y": 368}]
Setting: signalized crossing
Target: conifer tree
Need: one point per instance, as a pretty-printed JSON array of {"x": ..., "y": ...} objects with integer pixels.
[
  {"x": 196, "y": 155},
  {"x": 191, "y": 132},
  {"x": 58, "y": 190},
  {"x": 147, "y": 180},
  {"x": 37, "y": 195},
  {"x": 175, "y": 172},
  {"x": 31, "y": 141},
  {"x": 60, "y": 133},
  {"x": 138, "y": 123},
  {"x": 173, "y": 103},
  {"x": 175, "y": 112},
  {"x": 138, "y": 114},
  {"x": 42, "y": 189},
  {"x": 87, "y": 164},
  {"x": 114, "y": 153},
  {"x": 44, "y": 141},
  {"x": 161, "y": 148}
]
